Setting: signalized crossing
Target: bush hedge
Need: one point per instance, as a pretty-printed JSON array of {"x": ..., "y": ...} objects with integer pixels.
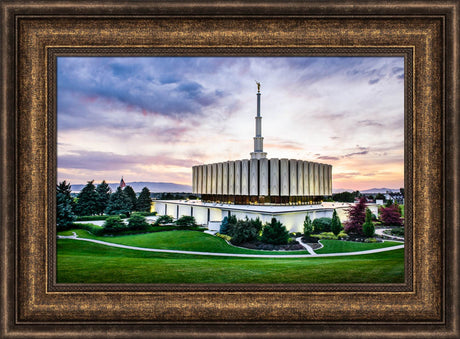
[
  {"x": 114, "y": 224},
  {"x": 93, "y": 229},
  {"x": 322, "y": 225}
]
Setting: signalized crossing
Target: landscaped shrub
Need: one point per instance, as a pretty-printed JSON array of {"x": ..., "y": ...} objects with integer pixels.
[
  {"x": 325, "y": 235},
  {"x": 275, "y": 233},
  {"x": 163, "y": 219},
  {"x": 322, "y": 225},
  {"x": 223, "y": 236},
  {"x": 137, "y": 222},
  {"x": 398, "y": 231},
  {"x": 257, "y": 225},
  {"x": 368, "y": 226},
  {"x": 227, "y": 224},
  {"x": 336, "y": 225},
  {"x": 370, "y": 240},
  {"x": 93, "y": 229},
  {"x": 92, "y": 217},
  {"x": 186, "y": 221},
  {"x": 244, "y": 231},
  {"x": 342, "y": 235},
  {"x": 147, "y": 214},
  {"x": 114, "y": 224}
]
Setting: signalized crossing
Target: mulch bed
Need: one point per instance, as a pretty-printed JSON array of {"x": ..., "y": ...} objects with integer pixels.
[{"x": 257, "y": 245}]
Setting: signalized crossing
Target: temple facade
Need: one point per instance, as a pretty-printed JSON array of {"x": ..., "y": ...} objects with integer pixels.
[{"x": 260, "y": 180}]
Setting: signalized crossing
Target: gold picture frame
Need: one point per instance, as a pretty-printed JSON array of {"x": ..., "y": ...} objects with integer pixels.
[{"x": 33, "y": 305}]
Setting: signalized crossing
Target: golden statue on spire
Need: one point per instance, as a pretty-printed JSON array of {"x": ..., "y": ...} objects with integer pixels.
[{"x": 258, "y": 86}]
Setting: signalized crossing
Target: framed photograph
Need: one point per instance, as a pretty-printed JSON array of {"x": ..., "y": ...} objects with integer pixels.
[{"x": 64, "y": 66}]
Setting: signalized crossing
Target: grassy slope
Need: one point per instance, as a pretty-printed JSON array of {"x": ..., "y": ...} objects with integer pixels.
[
  {"x": 83, "y": 262},
  {"x": 338, "y": 246},
  {"x": 178, "y": 240}
]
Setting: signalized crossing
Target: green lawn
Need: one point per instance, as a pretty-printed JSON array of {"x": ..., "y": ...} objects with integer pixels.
[
  {"x": 177, "y": 240},
  {"x": 84, "y": 262},
  {"x": 338, "y": 246}
]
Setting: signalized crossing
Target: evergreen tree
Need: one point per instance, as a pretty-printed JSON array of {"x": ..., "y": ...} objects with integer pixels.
[
  {"x": 119, "y": 203},
  {"x": 227, "y": 224},
  {"x": 275, "y": 233},
  {"x": 368, "y": 226},
  {"x": 64, "y": 206},
  {"x": 103, "y": 195},
  {"x": 356, "y": 218},
  {"x": 144, "y": 201},
  {"x": 336, "y": 225},
  {"x": 129, "y": 192},
  {"x": 244, "y": 231},
  {"x": 87, "y": 200},
  {"x": 307, "y": 227}
]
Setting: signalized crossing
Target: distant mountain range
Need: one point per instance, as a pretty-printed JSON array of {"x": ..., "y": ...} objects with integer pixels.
[
  {"x": 371, "y": 190},
  {"x": 154, "y": 187}
]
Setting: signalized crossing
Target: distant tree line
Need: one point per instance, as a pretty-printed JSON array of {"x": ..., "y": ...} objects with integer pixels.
[{"x": 98, "y": 200}]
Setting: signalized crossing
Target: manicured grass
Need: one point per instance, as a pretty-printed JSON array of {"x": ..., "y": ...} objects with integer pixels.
[
  {"x": 339, "y": 246},
  {"x": 179, "y": 240},
  {"x": 84, "y": 262}
]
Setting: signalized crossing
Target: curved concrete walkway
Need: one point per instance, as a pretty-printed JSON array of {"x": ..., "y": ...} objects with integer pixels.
[
  {"x": 75, "y": 237},
  {"x": 380, "y": 232},
  {"x": 308, "y": 248}
]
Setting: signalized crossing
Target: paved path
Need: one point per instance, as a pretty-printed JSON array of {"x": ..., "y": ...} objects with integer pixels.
[
  {"x": 75, "y": 237},
  {"x": 392, "y": 237},
  {"x": 308, "y": 248}
]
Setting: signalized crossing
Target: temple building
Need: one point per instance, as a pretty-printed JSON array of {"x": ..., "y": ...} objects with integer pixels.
[
  {"x": 260, "y": 180},
  {"x": 287, "y": 189}
]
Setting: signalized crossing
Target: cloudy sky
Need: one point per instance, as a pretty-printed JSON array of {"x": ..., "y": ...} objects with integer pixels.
[{"x": 152, "y": 119}]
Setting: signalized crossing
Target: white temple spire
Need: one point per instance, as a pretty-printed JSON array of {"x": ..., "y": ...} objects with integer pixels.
[{"x": 258, "y": 139}]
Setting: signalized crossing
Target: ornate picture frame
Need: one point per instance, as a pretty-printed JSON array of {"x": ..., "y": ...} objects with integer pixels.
[{"x": 34, "y": 305}]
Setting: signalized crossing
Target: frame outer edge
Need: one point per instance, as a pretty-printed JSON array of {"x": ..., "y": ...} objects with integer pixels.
[
  {"x": 7, "y": 172},
  {"x": 452, "y": 169},
  {"x": 451, "y": 182}
]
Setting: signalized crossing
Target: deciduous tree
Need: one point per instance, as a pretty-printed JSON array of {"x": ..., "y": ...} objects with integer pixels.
[
  {"x": 356, "y": 217},
  {"x": 390, "y": 215}
]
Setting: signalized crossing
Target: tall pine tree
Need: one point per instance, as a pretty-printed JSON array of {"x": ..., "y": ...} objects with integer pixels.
[
  {"x": 129, "y": 192},
  {"x": 87, "y": 200},
  {"x": 119, "y": 203},
  {"x": 103, "y": 195},
  {"x": 64, "y": 206},
  {"x": 336, "y": 225},
  {"x": 144, "y": 201}
]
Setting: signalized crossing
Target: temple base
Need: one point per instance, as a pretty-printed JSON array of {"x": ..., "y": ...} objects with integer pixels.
[{"x": 261, "y": 200}]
